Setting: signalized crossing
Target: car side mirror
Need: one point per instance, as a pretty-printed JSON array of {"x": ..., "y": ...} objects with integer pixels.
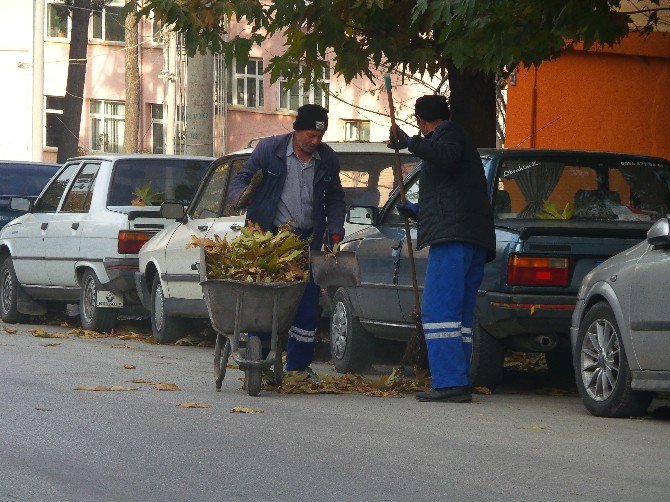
[
  {"x": 362, "y": 215},
  {"x": 172, "y": 211},
  {"x": 20, "y": 204},
  {"x": 659, "y": 233}
]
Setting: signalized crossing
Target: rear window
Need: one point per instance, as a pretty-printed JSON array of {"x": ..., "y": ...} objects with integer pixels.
[
  {"x": 593, "y": 189},
  {"x": 150, "y": 182},
  {"x": 367, "y": 178},
  {"x": 24, "y": 180}
]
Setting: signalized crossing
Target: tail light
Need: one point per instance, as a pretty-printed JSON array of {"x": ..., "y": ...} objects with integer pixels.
[
  {"x": 130, "y": 241},
  {"x": 538, "y": 271}
]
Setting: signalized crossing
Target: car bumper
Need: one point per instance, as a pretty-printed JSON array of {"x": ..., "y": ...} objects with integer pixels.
[
  {"x": 505, "y": 315},
  {"x": 121, "y": 272},
  {"x": 142, "y": 290}
]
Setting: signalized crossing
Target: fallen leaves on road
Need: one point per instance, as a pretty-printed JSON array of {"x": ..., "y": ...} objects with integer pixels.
[
  {"x": 40, "y": 333},
  {"x": 86, "y": 333},
  {"x": 9, "y": 330},
  {"x": 129, "y": 367},
  {"x": 188, "y": 340},
  {"x": 129, "y": 335},
  {"x": 483, "y": 390},
  {"x": 525, "y": 361},
  {"x": 195, "y": 405},
  {"x": 246, "y": 409},
  {"x": 392, "y": 385},
  {"x": 100, "y": 388},
  {"x": 165, "y": 386},
  {"x": 123, "y": 346},
  {"x": 531, "y": 427},
  {"x": 52, "y": 344}
]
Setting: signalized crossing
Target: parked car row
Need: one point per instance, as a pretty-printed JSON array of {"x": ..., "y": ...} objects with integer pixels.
[{"x": 110, "y": 232}]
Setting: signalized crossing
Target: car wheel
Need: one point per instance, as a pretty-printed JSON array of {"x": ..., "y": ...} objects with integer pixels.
[
  {"x": 488, "y": 358},
  {"x": 166, "y": 329},
  {"x": 559, "y": 364},
  {"x": 601, "y": 367},
  {"x": 9, "y": 293},
  {"x": 93, "y": 317},
  {"x": 351, "y": 347}
]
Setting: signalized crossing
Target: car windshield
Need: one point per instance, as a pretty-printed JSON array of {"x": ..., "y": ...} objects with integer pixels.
[
  {"x": 150, "y": 182},
  {"x": 24, "y": 180},
  {"x": 367, "y": 179},
  {"x": 608, "y": 188}
]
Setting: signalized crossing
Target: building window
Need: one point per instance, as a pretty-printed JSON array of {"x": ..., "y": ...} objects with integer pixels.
[
  {"x": 356, "y": 130},
  {"x": 180, "y": 130},
  {"x": 58, "y": 19},
  {"x": 157, "y": 138},
  {"x": 53, "y": 121},
  {"x": 292, "y": 98},
  {"x": 107, "y": 125},
  {"x": 245, "y": 85},
  {"x": 109, "y": 23},
  {"x": 156, "y": 31}
]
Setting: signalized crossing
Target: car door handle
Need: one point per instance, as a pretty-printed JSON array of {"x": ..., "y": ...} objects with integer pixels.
[
  {"x": 75, "y": 226},
  {"x": 203, "y": 228},
  {"x": 195, "y": 266},
  {"x": 44, "y": 226},
  {"x": 235, "y": 226}
]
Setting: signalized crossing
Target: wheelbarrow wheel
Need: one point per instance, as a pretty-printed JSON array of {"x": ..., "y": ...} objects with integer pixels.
[
  {"x": 253, "y": 374},
  {"x": 221, "y": 356}
]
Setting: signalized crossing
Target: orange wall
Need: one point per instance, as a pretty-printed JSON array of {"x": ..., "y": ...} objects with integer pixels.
[{"x": 613, "y": 99}]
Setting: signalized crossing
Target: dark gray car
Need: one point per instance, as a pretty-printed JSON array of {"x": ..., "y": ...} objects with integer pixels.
[{"x": 621, "y": 328}]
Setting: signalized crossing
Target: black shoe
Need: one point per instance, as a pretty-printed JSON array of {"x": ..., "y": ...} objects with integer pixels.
[{"x": 446, "y": 395}]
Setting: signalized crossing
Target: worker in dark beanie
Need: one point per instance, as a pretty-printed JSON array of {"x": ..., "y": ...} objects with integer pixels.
[
  {"x": 455, "y": 218},
  {"x": 295, "y": 178}
]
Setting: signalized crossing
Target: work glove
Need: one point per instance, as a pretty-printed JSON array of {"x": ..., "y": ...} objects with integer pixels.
[
  {"x": 402, "y": 142},
  {"x": 333, "y": 242},
  {"x": 408, "y": 210}
]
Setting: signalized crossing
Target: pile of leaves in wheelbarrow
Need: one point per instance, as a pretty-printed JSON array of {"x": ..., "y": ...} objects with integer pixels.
[{"x": 256, "y": 255}]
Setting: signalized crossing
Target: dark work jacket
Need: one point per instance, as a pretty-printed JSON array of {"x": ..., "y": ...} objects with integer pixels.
[
  {"x": 328, "y": 208},
  {"x": 453, "y": 199}
]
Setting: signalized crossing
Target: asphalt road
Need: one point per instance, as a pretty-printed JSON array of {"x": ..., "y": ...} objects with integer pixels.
[{"x": 59, "y": 444}]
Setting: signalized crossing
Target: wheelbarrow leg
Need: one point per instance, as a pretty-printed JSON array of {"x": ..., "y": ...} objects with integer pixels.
[
  {"x": 221, "y": 360},
  {"x": 276, "y": 349}
]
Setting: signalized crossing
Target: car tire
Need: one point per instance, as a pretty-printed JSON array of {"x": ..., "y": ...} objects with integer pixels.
[
  {"x": 93, "y": 317},
  {"x": 351, "y": 346},
  {"x": 166, "y": 329},
  {"x": 561, "y": 369},
  {"x": 488, "y": 358},
  {"x": 601, "y": 367},
  {"x": 9, "y": 294}
]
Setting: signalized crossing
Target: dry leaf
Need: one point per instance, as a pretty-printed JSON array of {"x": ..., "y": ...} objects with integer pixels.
[
  {"x": 188, "y": 340},
  {"x": 483, "y": 390},
  {"x": 531, "y": 427},
  {"x": 120, "y": 346},
  {"x": 140, "y": 380},
  {"x": 96, "y": 388},
  {"x": 40, "y": 333},
  {"x": 9, "y": 331},
  {"x": 129, "y": 366},
  {"x": 246, "y": 409},
  {"x": 52, "y": 344},
  {"x": 86, "y": 333},
  {"x": 165, "y": 386},
  {"x": 129, "y": 335},
  {"x": 195, "y": 405}
]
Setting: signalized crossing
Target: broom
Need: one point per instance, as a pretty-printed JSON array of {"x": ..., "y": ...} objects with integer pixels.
[{"x": 416, "y": 354}]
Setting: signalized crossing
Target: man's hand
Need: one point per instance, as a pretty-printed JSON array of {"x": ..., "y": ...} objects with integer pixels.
[
  {"x": 402, "y": 141},
  {"x": 408, "y": 210},
  {"x": 245, "y": 197}
]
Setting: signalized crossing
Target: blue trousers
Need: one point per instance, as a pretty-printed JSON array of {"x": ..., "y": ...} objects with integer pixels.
[
  {"x": 300, "y": 346},
  {"x": 453, "y": 275}
]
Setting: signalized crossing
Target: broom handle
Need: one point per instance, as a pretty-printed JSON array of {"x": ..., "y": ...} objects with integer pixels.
[{"x": 397, "y": 174}]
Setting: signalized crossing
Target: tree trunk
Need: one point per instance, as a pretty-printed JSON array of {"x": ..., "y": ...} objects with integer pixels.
[
  {"x": 132, "y": 120},
  {"x": 473, "y": 104},
  {"x": 68, "y": 141}
]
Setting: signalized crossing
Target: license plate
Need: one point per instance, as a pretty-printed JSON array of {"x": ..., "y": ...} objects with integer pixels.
[{"x": 110, "y": 300}]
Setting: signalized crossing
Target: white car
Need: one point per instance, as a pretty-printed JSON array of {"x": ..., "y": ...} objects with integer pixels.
[
  {"x": 168, "y": 277},
  {"x": 79, "y": 240}
]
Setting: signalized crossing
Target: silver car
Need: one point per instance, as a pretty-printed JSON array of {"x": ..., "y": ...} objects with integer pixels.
[{"x": 621, "y": 328}]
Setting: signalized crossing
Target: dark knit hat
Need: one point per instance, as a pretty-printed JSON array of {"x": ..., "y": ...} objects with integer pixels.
[
  {"x": 311, "y": 118},
  {"x": 432, "y": 107}
]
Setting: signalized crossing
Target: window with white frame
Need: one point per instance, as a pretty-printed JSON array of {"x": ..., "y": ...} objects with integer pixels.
[
  {"x": 157, "y": 137},
  {"x": 108, "y": 23},
  {"x": 58, "y": 22},
  {"x": 53, "y": 120},
  {"x": 245, "y": 84},
  {"x": 107, "y": 125},
  {"x": 293, "y": 97},
  {"x": 156, "y": 30},
  {"x": 356, "y": 130}
]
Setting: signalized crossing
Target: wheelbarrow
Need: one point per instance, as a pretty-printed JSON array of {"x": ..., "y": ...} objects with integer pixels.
[
  {"x": 237, "y": 307},
  {"x": 335, "y": 269}
]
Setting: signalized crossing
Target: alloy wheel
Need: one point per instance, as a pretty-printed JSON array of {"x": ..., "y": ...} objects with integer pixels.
[
  {"x": 90, "y": 300},
  {"x": 338, "y": 330},
  {"x": 600, "y": 358},
  {"x": 7, "y": 285}
]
